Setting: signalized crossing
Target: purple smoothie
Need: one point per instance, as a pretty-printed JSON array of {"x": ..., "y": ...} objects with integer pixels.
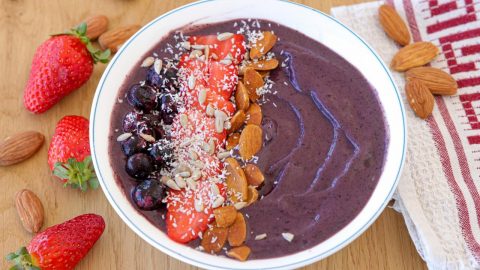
[{"x": 324, "y": 145}]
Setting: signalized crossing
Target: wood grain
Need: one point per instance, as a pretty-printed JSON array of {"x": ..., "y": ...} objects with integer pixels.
[{"x": 25, "y": 24}]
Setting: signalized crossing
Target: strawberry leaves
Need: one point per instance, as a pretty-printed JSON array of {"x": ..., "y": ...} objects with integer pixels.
[
  {"x": 77, "y": 174},
  {"x": 97, "y": 55},
  {"x": 22, "y": 260}
]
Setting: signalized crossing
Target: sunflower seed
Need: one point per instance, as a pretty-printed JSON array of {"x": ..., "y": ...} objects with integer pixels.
[
  {"x": 158, "y": 66},
  {"x": 146, "y": 137},
  {"x": 148, "y": 61},
  {"x": 223, "y": 155},
  {"x": 210, "y": 110},
  {"x": 214, "y": 56},
  {"x": 288, "y": 236},
  {"x": 199, "y": 164},
  {"x": 229, "y": 57},
  {"x": 206, "y": 147},
  {"x": 191, "y": 184},
  {"x": 182, "y": 168},
  {"x": 225, "y": 62},
  {"x": 198, "y": 47},
  {"x": 218, "y": 202},
  {"x": 180, "y": 181},
  {"x": 227, "y": 125},
  {"x": 124, "y": 136},
  {"x": 261, "y": 236},
  {"x": 185, "y": 174},
  {"x": 211, "y": 144},
  {"x": 171, "y": 184},
  {"x": 185, "y": 45},
  {"x": 220, "y": 118},
  {"x": 240, "y": 205},
  {"x": 198, "y": 205},
  {"x": 191, "y": 81},
  {"x": 214, "y": 189},
  {"x": 196, "y": 53},
  {"x": 196, "y": 174},
  {"x": 207, "y": 52},
  {"x": 202, "y": 96},
  {"x": 224, "y": 36},
  {"x": 192, "y": 154},
  {"x": 164, "y": 179},
  {"x": 183, "y": 120}
]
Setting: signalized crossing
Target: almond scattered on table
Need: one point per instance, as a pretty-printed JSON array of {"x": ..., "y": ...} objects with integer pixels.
[
  {"x": 414, "y": 55},
  {"x": 30, "y": 210},
  {"x": 96, "y": 25},
  {"x": 393, "y": 25},
  {"x": 438, "y": 81},
  {"x": 113, "y": 39},
  {"x": 420, "y": 98},
  {"x": 19, "y": 147}
]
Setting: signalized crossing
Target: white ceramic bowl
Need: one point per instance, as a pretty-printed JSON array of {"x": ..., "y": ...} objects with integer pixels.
[{"x": 311, "y": 22}]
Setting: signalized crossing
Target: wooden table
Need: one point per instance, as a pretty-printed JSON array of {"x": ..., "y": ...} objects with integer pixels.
[{"x": 25, "y": 24}]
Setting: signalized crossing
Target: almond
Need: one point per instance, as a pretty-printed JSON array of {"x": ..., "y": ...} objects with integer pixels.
[
  {"x": 236, "y": 181},
  {"x": 232, "y": 141},
  {"x": 393, "y": 25},
  {"x": 237, "y": 121},
  {"x": 414, "y": 55},
  {"x": 420, "y": 98},
  {"x": 225, "y": 216},
  {"x": 96, "y": 25},
  {"x": 114, "y": 38},
  {"x": 239, "y": 253},
  {"x": 214, "y": 239},
  {"x": 438, "y": 81},
  {"x": 30, "y": 210},
  {"x": 250, "y": 141},
  {"x": 19, "y": 147},
  {"x": 254, "y": 175},
  {"x": 252, "y": 195},
  {"x": 254, "y": 115},
  {"x": 237, "y": 233},
  {"x": 264, "y": 65},
  {"x": 264, "y": 74},
  {"x": 252, "y": 81},
  {"x": 263, "y": 45},
  {"x": 242, "y": 100}
]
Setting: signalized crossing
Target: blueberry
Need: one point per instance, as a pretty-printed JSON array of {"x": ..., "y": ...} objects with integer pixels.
[
  {"x": 159, "y": 132},
  {"x": 165, "y": 81},
  {"x": 148, "y": 194},
  {"x": 168, "y": 118},
  {"x": 139, "y": 165},
  {"x": 162, "y": 153},
  {"x": 152, "y": 119},
  {"x": 142, "y": 97},
  {"x": 167, "y": 104},
  {"x": 133, "y": 145},
  {"x": 145, "y": 128},
  {"x": 130, "y": 121}
]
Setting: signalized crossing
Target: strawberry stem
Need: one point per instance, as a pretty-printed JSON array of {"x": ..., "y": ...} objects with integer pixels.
[
  {"x": 77, "y": 174},
  {"x": 97, "y": 54},
  {"x": 22, "y": 260}
]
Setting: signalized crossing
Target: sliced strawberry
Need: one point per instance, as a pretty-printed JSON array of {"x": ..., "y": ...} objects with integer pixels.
[
  {"x": 222, "y": 79},
  {"x": 217, "y": 102},
  {"x": 234, "y": 46}
]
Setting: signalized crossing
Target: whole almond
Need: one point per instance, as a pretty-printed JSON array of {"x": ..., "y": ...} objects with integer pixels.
[
  {"x": 251, "y": 140},
  {"x": 420, "y": 98},
  {"x": 113, "y": 39},
  {"x": 96, "y": 25},
  {"x": 237, "y": 121},
  {"x": 254, "y": 115},
  {"x": 438, "y": 81},
  {"x": 19, "y": 147},
  {"x": 393, "y": 25},
  {"x": 237, "y": 233},
  {"x": 30, "y": 210},
  {"x": 242, "y": 100},
  {"x": 414, "y": 55}
]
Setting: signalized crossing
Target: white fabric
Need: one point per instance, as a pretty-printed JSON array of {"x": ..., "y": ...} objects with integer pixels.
[{"x": 423, "y": 195}]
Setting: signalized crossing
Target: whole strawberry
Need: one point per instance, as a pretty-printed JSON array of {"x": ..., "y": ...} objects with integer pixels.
[
  {"x": 60, "y": 65},
  {"x": 60, "y": 247},
  {"x": 69, "y": 153}
]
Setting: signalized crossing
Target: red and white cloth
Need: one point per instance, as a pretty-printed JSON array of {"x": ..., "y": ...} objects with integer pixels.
[{"x": 438, "y": 193}]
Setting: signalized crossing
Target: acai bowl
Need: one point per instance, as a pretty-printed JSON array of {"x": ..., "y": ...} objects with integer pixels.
[{"x": 332, "y": 133}]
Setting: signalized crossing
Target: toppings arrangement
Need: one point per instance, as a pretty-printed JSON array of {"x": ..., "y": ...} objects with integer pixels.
[
  {"x": 422, "y": 82},
  {"x": 192, "y": 134}
]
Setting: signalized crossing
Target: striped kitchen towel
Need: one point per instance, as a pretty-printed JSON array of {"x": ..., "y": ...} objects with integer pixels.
[{"x": 438, "y": 193}]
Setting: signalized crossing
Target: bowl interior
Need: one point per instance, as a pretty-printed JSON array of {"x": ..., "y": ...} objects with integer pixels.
[{"x": 311, "y": 22}]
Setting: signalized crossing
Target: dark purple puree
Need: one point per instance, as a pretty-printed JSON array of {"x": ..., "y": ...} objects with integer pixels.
[{"x": 324, "y": 145}]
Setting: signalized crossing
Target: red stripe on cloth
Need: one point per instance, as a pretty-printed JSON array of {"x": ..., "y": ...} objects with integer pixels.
[
  {"x": 460, "y": 36},
  {"x": 462, "y": 208},
  {"x": 443, "y": 8},
  {"x": 451, "y": 23},
  {"x": 468, "y": 82},
  {"x": 468, "y": 50},
  {"x": 463, "y": 68}
]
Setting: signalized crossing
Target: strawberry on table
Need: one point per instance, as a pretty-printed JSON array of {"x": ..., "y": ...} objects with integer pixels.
[
  {"x": 69, "y": 153},
  {"x": 60, "y": 247},
  {"x": 60, "y": 65}
]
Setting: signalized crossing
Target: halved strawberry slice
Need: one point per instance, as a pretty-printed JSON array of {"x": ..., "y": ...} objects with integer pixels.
[
  {"x": 212, "y": 98},
  {"x": 222, "y": 79},
  {"x": 234, "y": 46}
]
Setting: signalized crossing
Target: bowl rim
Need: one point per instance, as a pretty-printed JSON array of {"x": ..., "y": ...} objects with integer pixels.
[{"x": 188, "y": 259}]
